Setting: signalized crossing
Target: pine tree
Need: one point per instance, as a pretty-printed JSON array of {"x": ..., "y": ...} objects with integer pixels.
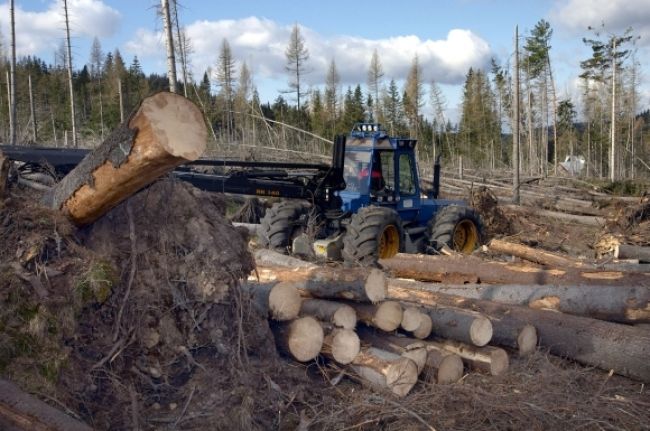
[
  {"x": 375, "y": 77},
  {"x": 332, "y": 81},
  {"x": 225, "y": 79},
  {"x": 414, "y": 100},
  {"x": 297, "y": 56},
  {"x": 393, "y": 110}
]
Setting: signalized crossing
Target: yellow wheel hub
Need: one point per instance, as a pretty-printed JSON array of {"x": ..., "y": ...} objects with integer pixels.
[
  {"x": 388, "y": 242},
  {"x": 465, "y": 237}
]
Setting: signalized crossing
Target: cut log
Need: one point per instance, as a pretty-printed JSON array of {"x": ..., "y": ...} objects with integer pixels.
[
  {"x": 468, "y": 268},
  {"x": 5, "y": 164},
  {"x": 336, "y": 313},
  {"x": 506, "y": 331},
  {"x": 626, "y": 304},
  {"x": 459, "y": 324},
  {"x": 626, "y": 251},
  {"x": 564, "y": 217},
  {"x": 357, "y": 284},
  {"x": 403, "y": 346},
  {"x": 386, "y": 316},
  {"x": 279, "y": 301},
  {"x": 384, "y": 369},
  {"x": 301, "y": 338},
  {"x": 538, "y": 256},
  {"x": 488, "y": 359},
  {"x": 265, "y": 257},
  {"x": 609, "y": 346},
  {"x": 425, "y": 328},
  {"x": 442, "y": 366},
  {"x": 167, "y": 130},
  {"x": 411, "y": 319},
  {"x": 341, "y": 345}
]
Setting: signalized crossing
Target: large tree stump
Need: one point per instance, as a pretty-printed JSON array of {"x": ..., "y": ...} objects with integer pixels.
[{"x": 167, "y": 130}]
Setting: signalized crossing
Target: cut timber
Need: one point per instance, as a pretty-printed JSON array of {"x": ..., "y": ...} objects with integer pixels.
[
  {"x": 439, "y": 268},
  {"x": 488, "y": 359},
  {"x": 459, "y": 324},
  {"x": 386, "y": 370},
  {"x": 357, "y": 284},
  {"x": 340, "y": 315},
  {"x": 167, "y": 130},
  {"x": 279, "y": 301},
  {"x": 609, "y": 346},
  {"x": 626, "y": 251},
  {"x": 265, "y": 257},
  {"x": 386, "y": 316},
  {"x": 442, "y": 367},
  {"x": 538, "y": 256},
  {"x": 403, "y": 346},
  {"x": 342, "y": 345},
  {"x": 626, "y": 304},
  {"x": 411, "y": 319},
  {"x": 301, "y": 338},
  {"x": 21, "y": 411},
  {"x": 506, "y": 331},
  {"x": 425, "y": 327},
  {"x": 569, "y": 218},
  {"x": 5, "y": 164}
]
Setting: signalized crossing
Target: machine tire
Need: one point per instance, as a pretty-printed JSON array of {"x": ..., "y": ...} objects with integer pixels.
[
  {"x": 278, "y": 225},
  {"x": 373, "y": 233},
  {"x": 459, "y": 228}
]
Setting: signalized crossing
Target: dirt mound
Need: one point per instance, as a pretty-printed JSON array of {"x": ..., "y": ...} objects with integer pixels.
[{"x": 136, "y": 313}]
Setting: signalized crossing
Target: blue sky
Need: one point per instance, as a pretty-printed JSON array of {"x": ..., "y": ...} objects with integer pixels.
[{"x": 448, "y": 36}]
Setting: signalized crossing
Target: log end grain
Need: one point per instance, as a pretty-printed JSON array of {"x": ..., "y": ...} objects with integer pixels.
[
  {"x": 388, "y": 316},
  {"x": 345, "y": 317},
  {"x": 499, "y": 361},
  {"x": 345, "y": 345},
  {"x": 284, "y": 301},
  {"x": 410, "y": 319},
  {"x": 450, "y": 370},
  {"x": 306, "y": 338},
  {"x": 376, "y": 285},
  {"x": 527, "y": 340},
  {"x": 480, "y": 331},
  {"x": 401, "y": 376},
  {"x": 425, "y": 327},
  {"x": 418, "y": 356}
]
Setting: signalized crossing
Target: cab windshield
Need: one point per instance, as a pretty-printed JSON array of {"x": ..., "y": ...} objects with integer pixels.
[{"x": 356, "y": 171}]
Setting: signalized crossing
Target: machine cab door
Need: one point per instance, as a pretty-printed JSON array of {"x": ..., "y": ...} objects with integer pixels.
[{"x": 408, "y": 189}]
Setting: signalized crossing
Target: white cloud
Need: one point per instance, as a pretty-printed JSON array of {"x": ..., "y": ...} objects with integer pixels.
[
  {"x": 262, "y": 43},
  {"x": 36, "y": 30},
  {"x": 617, "y": 15}
]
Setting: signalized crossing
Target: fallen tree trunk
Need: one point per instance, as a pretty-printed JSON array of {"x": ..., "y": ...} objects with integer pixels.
[
  {"x": 265, "y": 257},
  {"x": 488, "y": 359},
  {"x": 386, "y": 316},
  {"x": 279, "y": 301},
  {"x": 569, "y": 218},
  {"x": 301, "y": 338},
  {"x": 626, "y": 304},
  {"x": 506, "y": 331},
  {"x": 609, "y": 346},
  {"x": 469, "y": 269},
  {"x": 403, "y": 346},
  {"x": 627, "y": 251},
  {"x": 384, "y": 369},
  {"x": 341, "y": 345},
  {"x": 459, "y": 324},
  {"x": 538, "y": 256},
  {"x": 357, "y": 284},
  {"x": 340, "y": 315},
  {"x": 167, "y": 130}
]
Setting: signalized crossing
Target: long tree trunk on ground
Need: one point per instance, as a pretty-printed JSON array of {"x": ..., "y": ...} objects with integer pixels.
[
  {"x": 626, "y": 251},
  {"x": 628, "y": 304},
  {"x": 167, "y": 130},
  {"x": 608, "y": 346},
  {"x": 468, "y": 268},
  {"x": 73, "y": 116},
  {"x": 532, "y": 254}
]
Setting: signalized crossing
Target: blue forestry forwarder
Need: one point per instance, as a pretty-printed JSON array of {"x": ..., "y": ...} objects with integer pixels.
[{"x": 367, "y": 205}]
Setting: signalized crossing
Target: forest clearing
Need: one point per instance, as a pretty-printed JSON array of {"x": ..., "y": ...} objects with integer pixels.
[{"x": 177, "y": 253}]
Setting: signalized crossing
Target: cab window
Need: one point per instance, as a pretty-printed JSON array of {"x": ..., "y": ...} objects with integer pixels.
[{"x": 406, "y": 178}]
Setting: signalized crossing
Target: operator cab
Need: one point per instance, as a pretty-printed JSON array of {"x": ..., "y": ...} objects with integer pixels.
[{"x": 380, "y": 170}]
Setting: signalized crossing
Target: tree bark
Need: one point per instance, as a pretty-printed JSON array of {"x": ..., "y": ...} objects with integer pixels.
[
  {"x": 626, "y": 251},
  {"x": 301, "y": 338},
  {"x": 386, "y": 370},
  {"x": 386, "y": 316},
  {"x": 506, "y": 331},
  {"x": 568, "y": 218},
  {"x": 5, "y": 164},
  {"x": 358, "y": 284},
  {"x": 538, "y": 256},
  {"x": 270, "y": 258},
  {"x": 626, "y": 304},
  {"x": 488, "y": 359},
  {"x": 472, "y": 269},
  {"x": 279, "y": 301},
  {"x": 339, "y": 315},
  {"x": 416, "y": 322},
  {"x": 609, "y": 346},
  {"x": 459, "y": 324},
  {"x": 166, "y": 131}
]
